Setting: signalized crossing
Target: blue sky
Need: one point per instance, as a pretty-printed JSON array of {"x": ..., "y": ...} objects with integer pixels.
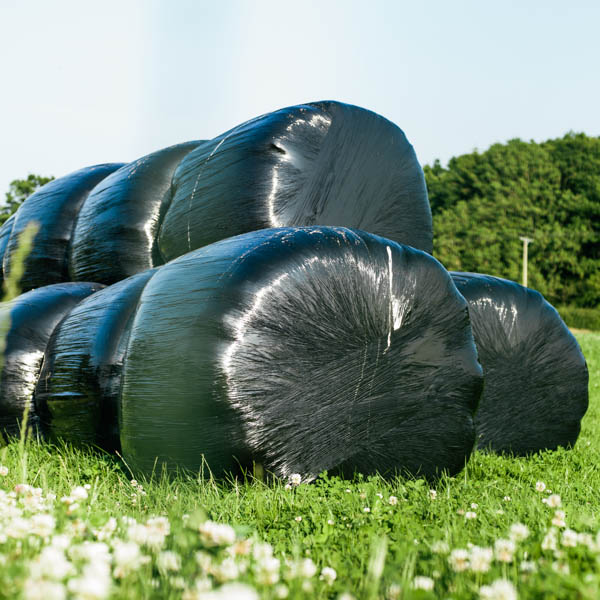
[{"x": 84, "y": 82}]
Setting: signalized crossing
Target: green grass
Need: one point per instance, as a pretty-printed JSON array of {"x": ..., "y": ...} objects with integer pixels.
[{"x": 376, "y": 554}]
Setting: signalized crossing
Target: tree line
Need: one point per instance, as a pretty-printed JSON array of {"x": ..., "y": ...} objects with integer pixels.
[{"x": 550, "y": 191}]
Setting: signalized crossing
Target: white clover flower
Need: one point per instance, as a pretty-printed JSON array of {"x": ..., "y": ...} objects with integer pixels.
[
  {"x": 423, "y": 583},
  {"x": 295, "y": 479},
  {"x": 262, "y": 551},
  {"x": 216, "y": 534},
  {"x": 298, "y": 518},
  {"x": 40, "y": 589},
  {"x": 307, "y": 568},
  {"x": 3, "y": 471},
  {"x": 474, "y": 505},
  {"x": 561, "y": 568},
  {"x": 169, "y": 561},
  {"x": 93, "y": 584},
  {"x": 228, "y": 570},
  {"x": 480, "y": 559},
  {"x": 459, "y": 560},
  {"x": 72, "y": 508},
  {"x": 470, "y": 515},
  {"x": 17, "y": 528},
  {"x": 504, "y": 550},
  {"x": 501, "y": 589},
  {"x": 550, "y": 540},
  {"x": 569, "y": 538},
  {"x": 433, "y": 494},
  {"x": 328, "y": 575},
  {"x": 379, "y": 495},
  {"x": 42, "y": 524},
  {"x": 507, "y": 498},
  {"x": 127, "y": 558},
  {"x": 559, "y": 518},
  {"x": 330, "y": 522},
  {"x": 553, "y": 501},
  {"x": 229, "y": 591},
  {"x": 528, "y": 566},
  {"x": 267, "y": 570},
  {"x": 106, "y": 531},
  {"x": 51, "y": 563},
  {"x": 540, "y": 486},
  {"x": 157, "y": 530},
  {"x": 79, "y": 493},
  {"x": 440, "y": 547},
  {"x": 93, "y": 552},
  {"x": 393, "y": 500},
  {"x": 281, "y": 592},
  {"x": 366, "y": 509},
  {"x": 61, "y": 541},
  {"x": 518, "y": 532}
]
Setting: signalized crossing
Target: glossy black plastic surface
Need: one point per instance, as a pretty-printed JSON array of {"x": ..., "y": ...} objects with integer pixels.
[
  {"x": 5, "y": 232},
  {"x": 323, "y": 163},
  {"x": 536, "y": 378},
  {"x": 34, "y": 316},
  {"x": 303, "y": 349},
  {"x": 117, "y": 224},
  {"x": 54, "y": 207},
  {"x": 77, "y": 394}
]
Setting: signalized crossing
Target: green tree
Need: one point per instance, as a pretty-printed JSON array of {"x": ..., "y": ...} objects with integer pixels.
[
  {"x": 18, "y": 191},
  {"x": 483, "y": 202}
]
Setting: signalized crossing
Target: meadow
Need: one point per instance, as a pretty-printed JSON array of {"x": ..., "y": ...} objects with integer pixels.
[{"x": 75, "y": 524}]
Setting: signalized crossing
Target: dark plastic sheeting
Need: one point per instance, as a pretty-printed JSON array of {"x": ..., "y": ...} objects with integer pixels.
[
  {"x": 303, "y": 349},
  {"x": 324, "y": 163},
  {"x": 77, "y": 395},
  {"x": 54, "y": 206},
  {"x": 34, "y": 316},
  {"x": 536, "y": 378},
  {"x": 5, "y": 232},
  {"x": 117, "y": 224}
]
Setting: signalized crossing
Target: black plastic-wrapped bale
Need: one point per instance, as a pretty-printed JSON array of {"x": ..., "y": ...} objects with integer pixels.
[
  {"x": 5, "y": 232},
  {"x": 77, "y": 394},
  {"x": 322, "y": 163},
  {"x": 33, "y": 317},
  {"x": 115, "y": 231},
  {"x": 536, "y": 378},
  {"x": 303, "y": 349},
  {"x": 54, "y": 207}
]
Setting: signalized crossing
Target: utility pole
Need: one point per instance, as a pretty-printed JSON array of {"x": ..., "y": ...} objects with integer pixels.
[{"x": 526, "y": 242}]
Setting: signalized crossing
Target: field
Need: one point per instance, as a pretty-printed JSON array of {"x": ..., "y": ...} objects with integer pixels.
[{"x": 73, "y": 524}]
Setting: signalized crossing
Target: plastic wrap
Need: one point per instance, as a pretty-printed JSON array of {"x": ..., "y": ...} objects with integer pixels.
[
  {"x": 323, "y": 163},
  {"x": 536, "y": 378},
  {"x": 117, "y": 225},
  {"x": 54, "y": 206},
  {"x": 303, "y": 349},
  {"x": 5, "y": 232},
  {"x": 77, "y": 394},
  {"x": 33, "y": 317}
]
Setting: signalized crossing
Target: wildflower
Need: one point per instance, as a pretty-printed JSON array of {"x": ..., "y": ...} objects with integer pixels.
[
  {"x": 433, "y": 496},
  {"x": 40, "y": 589},
  {"x": 474, "y": 505},
  {"x": 51, "y": 563},
  {"x": 216, "y": 534},
  {"x": 295, "y": 479},
  {"x": 480, "y": 559},
  {"x": 393, "y": 500},
  {"x": 550, "y": 540},
  {"x": 366, "y": 509},
  {"x": 379, "y": 495},
  {"x": 107, "y": 530},
  {"x": 42, "y": 525},
  {"x": 93, "y": 552},
  {"x": 507, "y": 498},
  {"x": 328, "y": 575},
  {"x": 470, "y": 515},
  {"x": 540, "y": 486},
  {"x": 569, "y": 538},
  {"x": 553, "y": 501},
  {"x": 268, "y": 570},
  {"x": 127, "y": 558},
  {"x": 298, "y": 518},
  {"x": 79, "y": 493},
  {"x": 348, "y": 490},
  {"x": 3, "y": 471},
  {"x": 528, "y": 566},
  {"x": 229, "y": 570},
  {"x": 501, "y": 589},
  {"x": 459, "y": 560},
  {"x": 559, "y": 518},
  {"x": 504, "y": 550},
  {"x": 561, "y": 568},
  {"x": 518, "y": 532},
  {"x": 93, "y": 584},
  {"x": 303, "y": 568},
  {"x": 440, "y": 547},
  {"x": 423, "y": 583},
  {"x": 281, "y": 591}
]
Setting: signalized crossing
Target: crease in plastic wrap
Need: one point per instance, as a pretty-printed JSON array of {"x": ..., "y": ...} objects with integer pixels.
[
  {"x": 116, "y": 227},
  {"x": 33, "y": 317},
  {"x": 321, "y": 163},
  {"x": 303, "y": 349},
  {"x": 54, "y": 207},
  {"x": 5, "y": 232},
  {"x": 77, "y": 395},
  {"x": 536, "y": 377}
]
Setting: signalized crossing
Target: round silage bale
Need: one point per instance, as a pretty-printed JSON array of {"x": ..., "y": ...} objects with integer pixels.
[
  {"x": 77, "y": 393},
  {"x": 536, "y": 378},
  {"x": 33, "y": 317},
  {"x": 116, "y": 227},
  {"x": 54, "y": 207},
  {"x": 321, "y": 163},
  {"x": 5, "y": 232},
  {"x": 303, "y": 349}
]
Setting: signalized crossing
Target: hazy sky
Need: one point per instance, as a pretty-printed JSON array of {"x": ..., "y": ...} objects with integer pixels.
[{"x": 88, "y": 82}]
